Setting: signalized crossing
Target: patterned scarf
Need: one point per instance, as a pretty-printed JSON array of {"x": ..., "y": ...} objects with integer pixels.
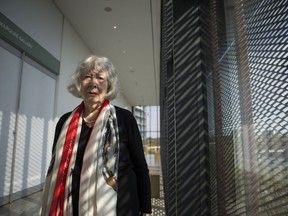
[{"x": 98, "y": 182}]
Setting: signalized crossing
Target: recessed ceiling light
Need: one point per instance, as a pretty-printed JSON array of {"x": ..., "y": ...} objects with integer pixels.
[
  {"x": 114, "y": 27},
  {"x": 108, "y": 9},
  {"x": 131, "y": 69}
]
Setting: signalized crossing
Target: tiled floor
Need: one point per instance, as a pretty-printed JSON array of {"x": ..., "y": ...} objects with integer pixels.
[{"x": 29, "y": 206}]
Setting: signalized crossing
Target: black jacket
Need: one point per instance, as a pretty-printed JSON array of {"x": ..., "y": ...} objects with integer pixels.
[{"x": 134, "y": 191}]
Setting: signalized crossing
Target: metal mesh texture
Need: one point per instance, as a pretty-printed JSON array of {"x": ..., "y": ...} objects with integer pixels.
[{"x": 224, "y": 107}]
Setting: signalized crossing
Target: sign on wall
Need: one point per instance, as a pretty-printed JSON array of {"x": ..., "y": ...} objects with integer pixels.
[{"x": 18, "y": 38}]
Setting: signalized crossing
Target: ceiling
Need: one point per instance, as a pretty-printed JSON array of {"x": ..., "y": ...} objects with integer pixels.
[{"x": 128, "y": 33}]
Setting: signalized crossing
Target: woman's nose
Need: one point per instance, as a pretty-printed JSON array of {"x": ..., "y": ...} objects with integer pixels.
[{"x": 94, "y": 81}]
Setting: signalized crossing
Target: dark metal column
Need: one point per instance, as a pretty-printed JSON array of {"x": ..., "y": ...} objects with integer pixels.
[{"x": 220, "y": 148}]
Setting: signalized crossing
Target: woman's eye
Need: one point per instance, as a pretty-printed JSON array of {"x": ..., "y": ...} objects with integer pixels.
[{"x": 90, "y": 76}]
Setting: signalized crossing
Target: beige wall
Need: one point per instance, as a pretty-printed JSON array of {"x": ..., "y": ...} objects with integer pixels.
[{"x": 73, "y": 51}]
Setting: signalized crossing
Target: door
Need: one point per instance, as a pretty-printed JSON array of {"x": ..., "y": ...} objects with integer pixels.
[{"x": 27, "y": 93}]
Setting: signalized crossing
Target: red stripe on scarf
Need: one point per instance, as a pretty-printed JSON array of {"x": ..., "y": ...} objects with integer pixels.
[{"x": 59, "y": 191}]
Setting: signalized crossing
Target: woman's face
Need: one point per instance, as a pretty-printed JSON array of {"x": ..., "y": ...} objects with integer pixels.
[{"x": 94, "y": 87}]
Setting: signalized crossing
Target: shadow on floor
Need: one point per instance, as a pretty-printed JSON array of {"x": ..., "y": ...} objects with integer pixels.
[{"x": 29, "y": 206}]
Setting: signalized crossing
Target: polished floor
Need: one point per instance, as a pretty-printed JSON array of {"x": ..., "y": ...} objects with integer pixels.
[{"x": 29, "y": 206}]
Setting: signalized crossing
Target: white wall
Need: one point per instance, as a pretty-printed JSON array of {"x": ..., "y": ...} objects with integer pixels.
[
  {"x": 121, "y": 102},
  {"x": 31, "y": 144},
  {"x": 40, "y": 19},
  {"x": 73, "y": 51},
  {"x": 43, "y": 22}
]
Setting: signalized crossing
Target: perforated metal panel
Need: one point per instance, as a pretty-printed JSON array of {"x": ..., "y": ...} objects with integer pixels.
[
  {"x": 250, "y": 93},
  {"x": 245, "y": 94}
]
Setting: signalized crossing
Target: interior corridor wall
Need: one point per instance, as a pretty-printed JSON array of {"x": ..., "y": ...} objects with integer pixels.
[
  {"x": 41, "y": 20},
  {"x": 74, "y": 50},
  {"x": 41, "y": 91},
  {"x": 26, "y": 124},
  {"x": 27, "y": 95}
]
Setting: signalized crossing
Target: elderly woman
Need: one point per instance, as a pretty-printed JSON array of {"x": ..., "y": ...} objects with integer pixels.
[{"x": 98, "y": 165}]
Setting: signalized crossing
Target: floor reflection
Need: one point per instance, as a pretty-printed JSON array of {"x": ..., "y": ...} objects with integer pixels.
[{"x": 29, "y": 206}]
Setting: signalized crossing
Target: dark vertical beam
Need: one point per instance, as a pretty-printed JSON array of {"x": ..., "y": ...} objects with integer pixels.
[
  {"x": 191, "y": 141},
  {"x": 220, "y": 148},
  {"x": 185, "y": 146},
  {"x": 167, "y": 117}
]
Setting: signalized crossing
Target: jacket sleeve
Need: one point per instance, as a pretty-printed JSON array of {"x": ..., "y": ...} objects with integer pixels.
[
  {"x": 140, "y": 165},
  {"x": 58, "y": 129}
]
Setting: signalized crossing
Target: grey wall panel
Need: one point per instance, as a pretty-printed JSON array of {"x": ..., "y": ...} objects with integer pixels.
[
  {"x": 9, "y": 81},
  {"x": 41, "y": 20},
  {"x": 35, "y": 128},
  {"x": 27, "y": 93}
]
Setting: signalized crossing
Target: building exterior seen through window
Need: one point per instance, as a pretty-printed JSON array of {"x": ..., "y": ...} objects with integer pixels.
[{"x": 148, "y": 119}]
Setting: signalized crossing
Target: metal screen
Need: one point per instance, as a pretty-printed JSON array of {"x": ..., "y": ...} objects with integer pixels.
[
  {"x": 250, "y": 92},
  {"x": 240, "y": 48}
]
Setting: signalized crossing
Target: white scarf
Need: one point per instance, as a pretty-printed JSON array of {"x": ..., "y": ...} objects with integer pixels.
[{"x": 99, "y": 174}]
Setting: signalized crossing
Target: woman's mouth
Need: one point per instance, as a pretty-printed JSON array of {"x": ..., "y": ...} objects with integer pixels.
[{"x": 92, "y": 93}]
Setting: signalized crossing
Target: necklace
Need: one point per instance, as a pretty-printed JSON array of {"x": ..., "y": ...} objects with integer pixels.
[
  {"x": 91, "y": 117},
  {"x": 89, "y": 123}
]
